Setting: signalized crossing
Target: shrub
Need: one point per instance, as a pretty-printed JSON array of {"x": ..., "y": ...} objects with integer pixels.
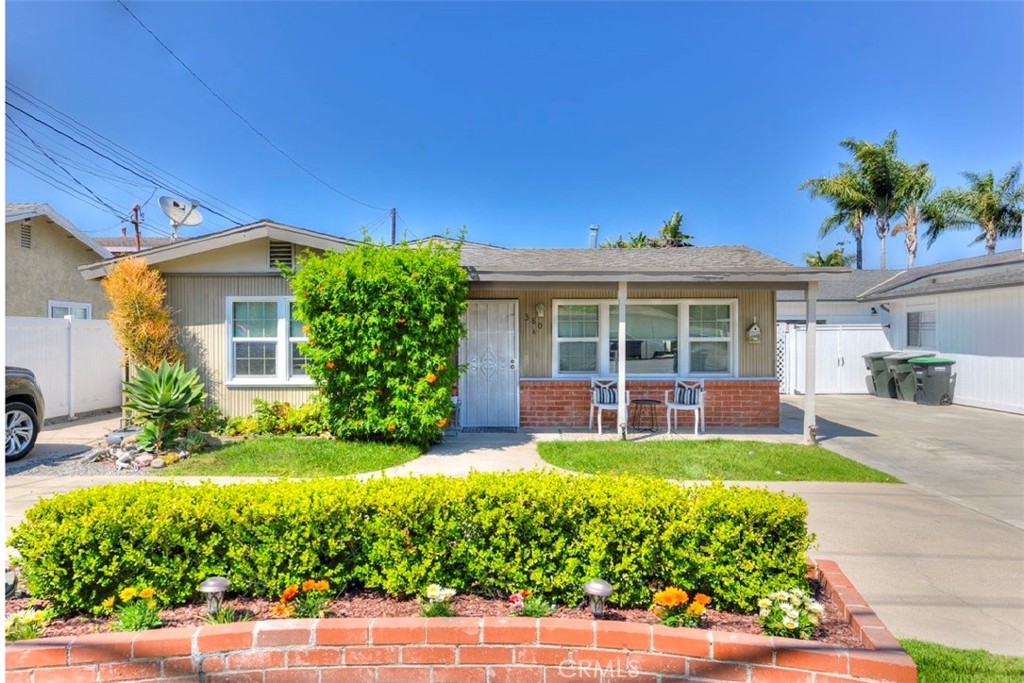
[
  {"x": 384, "y": 324},
  {"x": 275, "y": 417},
  {"x": 479, "y": 535},
  {"x": 208, "y": 419},
  {"x": 139, "y": 320},
  {"x": 164, "y": 398}
]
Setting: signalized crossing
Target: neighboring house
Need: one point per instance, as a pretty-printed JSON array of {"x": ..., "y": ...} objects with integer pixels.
[
  {"x": 119, "y": 246},
  {"x": 837, "y": 300},
  {"x": 972, "y": 311},
  {"x": 540, "y": 324},
  {"x": 44, "y": 252}
]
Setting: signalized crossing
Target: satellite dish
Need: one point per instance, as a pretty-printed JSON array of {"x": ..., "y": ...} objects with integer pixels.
[{"x": 180, "y": 213}]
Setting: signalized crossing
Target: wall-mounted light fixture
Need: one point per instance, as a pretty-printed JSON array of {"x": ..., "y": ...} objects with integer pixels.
[
  {"x": 537, "y": 319},
  {"x": 754, "y": 332},
  {"x": 874, "y": 311}
]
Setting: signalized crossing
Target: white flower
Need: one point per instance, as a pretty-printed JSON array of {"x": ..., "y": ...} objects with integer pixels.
[
  {"x": 433, "y": 591},
  {"x": 764, "y": 603},
  {"x": 788, "y": 623},
  {"x": 813, "y": 619},
  {"x": 446, "y": 594},
  {"x": 797, "y": 592},
  {"x": 815, "y": 608},
  {"x": 764, "y": 611}
]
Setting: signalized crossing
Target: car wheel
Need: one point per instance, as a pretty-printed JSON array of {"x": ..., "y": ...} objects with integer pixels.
[{"x": 22, "y": 430}]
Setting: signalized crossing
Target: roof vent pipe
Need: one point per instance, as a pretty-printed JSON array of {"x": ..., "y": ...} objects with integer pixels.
[{"x": 594, "y": 227}]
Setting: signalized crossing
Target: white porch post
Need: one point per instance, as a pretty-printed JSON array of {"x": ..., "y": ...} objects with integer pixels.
[
  {"x": 621, "y": 358},
  {"x": 810, "y": 419}
]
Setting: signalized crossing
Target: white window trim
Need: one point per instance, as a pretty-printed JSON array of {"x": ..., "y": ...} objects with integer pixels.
[
  {"x": 605, "y": 327},
  {"x": 920, "y": 308},
  {"x": 53, "y": 303},
  {"x": 283, "y": 346}
]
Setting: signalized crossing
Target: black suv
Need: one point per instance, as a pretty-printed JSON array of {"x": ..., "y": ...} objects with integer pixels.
[{"x": 25, "y": 413}]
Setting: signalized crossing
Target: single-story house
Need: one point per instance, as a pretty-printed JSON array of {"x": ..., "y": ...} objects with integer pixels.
[
  {"x": 970, "y": 310},
  {"x": 44, "y": 252},
  {"x": 127, "y": 244},
  {"x": 541, "y": 323},
  {"x": 837, "y": 301}
]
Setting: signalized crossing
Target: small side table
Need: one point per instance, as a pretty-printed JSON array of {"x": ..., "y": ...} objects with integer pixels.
[{"x": 644, "y": 417}]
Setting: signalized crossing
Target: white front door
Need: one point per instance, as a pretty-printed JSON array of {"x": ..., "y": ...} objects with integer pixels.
[{"x": 490, "y": 383}]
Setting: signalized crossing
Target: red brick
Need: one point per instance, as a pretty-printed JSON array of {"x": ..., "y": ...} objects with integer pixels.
[
  {"x": 428, "y": 654},
  {"x": 343, "y": 632},
  {"x": 681, "y": 641},
  {"x": 126, "y": 671},
  {"x": 742, "y": 647},
  {"x": 18, "y": 677},
  {"x": 510, "y": 630},
  {"x": 614, "y": 660},
  {"x": 623, "y": 635},
  {"x": 548, "y": 656},
  {"x": 516, "y": 674},
  {"x": 101, "y": 647},
  {"x": 889, "y": 666},
  {"x": 26, "y": 654},
  {"x": 284, "y": 632},
  {"x": 484, "y": 654},
  {"x": 163, "y": 643},
  {"x": 318, "y": 656},
  {"x": 265, "y": 659},
  {"x": 719, "y": 671},
  {"x": 659, "y": 664},
  {"x": 214, "y": 663},
  {"x": 454, "y": 631},
  {"x": 767, "y": 674},
  {"x": 404, "y": 674},
  {"x": 879, "y": 639},
  {"x": 363, "y": 656},
  {"x": 359, "y": 675},
  {"x": 567, "y": 632},
  {"x": 460, "y": 674},
  {"x": 178, "y": 666},
  {"x": 66, "y": 674},
  {"x": 292, "y": 676},
  {"x": 236, "y": 677},
  {"x": 409, "y": 630},
  {"x": 799, "y": 654},
  {"x": 221, "y": 637}
]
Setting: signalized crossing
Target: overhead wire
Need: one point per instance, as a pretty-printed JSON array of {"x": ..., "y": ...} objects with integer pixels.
[{"x": 242, "y": 118}]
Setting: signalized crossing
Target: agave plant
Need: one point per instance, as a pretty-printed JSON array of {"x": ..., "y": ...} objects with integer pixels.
[{"x": 164, "y": 397}]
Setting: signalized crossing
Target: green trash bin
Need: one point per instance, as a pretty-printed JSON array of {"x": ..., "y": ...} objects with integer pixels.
[
  {"x": 905, "y": 381},
  {"x": 887, "y": 384},
  {"x": 874, "y": 363},
  {"x": 934, "y": 379}
]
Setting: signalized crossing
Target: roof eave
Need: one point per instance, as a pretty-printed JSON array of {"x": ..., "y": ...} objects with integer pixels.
[{"x": 49, "y": 212}]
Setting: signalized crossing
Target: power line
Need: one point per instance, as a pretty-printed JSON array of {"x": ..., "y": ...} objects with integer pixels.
[{"x": 242, "y": 118}]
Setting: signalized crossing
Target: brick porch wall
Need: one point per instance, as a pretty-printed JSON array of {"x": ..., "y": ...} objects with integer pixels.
[{"x": 728, "y": 403}]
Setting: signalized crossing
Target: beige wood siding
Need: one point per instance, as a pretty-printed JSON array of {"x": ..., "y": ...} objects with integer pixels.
[
  {"x": 197, "y": 302},
  {"x": 755, "y": 360}
]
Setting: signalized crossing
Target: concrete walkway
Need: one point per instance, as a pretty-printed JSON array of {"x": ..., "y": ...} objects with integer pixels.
[{"x": 939, "y": 558}]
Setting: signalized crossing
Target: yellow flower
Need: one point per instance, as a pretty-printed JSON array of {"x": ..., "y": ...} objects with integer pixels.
[
  {"x": 146, "y": 593},
  {"x": 702, "y": 599},
  {"x": 151, "y": 604},
  {"x": 696, "y": 608},
  {"x": 282, "y": 609},
  {"x": 431, "y": 378},
  {"x": 108, "y": 603},
  {"x": 391, "y": 428},
  {"x": 671, "y": 597},
  {"x": 128, "y": 594}
]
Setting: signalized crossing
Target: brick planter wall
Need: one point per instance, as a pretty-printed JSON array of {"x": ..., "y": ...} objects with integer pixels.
[
  {"x": 464, "y": 650},
  {"x": 728, "y": 403}
]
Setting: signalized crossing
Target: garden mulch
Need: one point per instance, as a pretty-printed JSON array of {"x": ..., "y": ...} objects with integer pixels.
[{"x": 833, "y": 629}]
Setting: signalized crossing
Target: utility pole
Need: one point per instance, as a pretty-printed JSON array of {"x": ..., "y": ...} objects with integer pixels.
[
  {"x": 394, "y": 216},
  {"x": 138, "y": 235}
]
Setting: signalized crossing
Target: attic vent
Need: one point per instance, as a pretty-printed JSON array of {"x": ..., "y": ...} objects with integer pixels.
[
  {"x": 26, "y": 236},
  {"x": 282, "y": 252}
]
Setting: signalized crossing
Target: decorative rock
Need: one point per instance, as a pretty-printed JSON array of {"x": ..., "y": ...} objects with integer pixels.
[
  {"x": 94, "y": 455},
  {"x": 183, "y": 454},
  {"x": 130, "y": 446},
  {"x": 158, "y": 463},
  {"x": 168, "y": 458},
  {"x": 118, "y": 436},
  {"x": 129, "y": 465},
  {"x": 143, "y": 460},
  {"x": 124, "y": 457}
]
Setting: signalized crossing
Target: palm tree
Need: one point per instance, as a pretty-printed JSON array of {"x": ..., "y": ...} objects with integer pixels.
[
  {"x": 994, "y": 207},
  {"x": 917, "y": 184},
  {"x": 836, "y": 257},
  {"x": 847, "y": 193},
  {"x": 672, "y": 234}
]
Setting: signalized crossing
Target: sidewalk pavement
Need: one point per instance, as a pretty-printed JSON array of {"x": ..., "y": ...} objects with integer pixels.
[{"x": 934, "y": 565}]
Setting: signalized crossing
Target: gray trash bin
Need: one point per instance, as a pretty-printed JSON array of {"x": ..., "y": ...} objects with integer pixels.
[
  {"x": 934, "y": 379},
  {"x": 874, "y": 363},
  {"x": 888, "y": 379}
]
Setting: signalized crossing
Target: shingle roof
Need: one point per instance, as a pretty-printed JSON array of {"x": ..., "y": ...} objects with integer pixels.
[
  {"x": 846, "y": 288},
  {"x": 119, "y": 245},
  {"x": 1004, "y": 269}
]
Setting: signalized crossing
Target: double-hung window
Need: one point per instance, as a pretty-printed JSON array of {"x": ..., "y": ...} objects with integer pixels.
[
  {"x": 63, "y": 309},
  {"x": 263, "y": 341},
  {"x": 921, "y": 329},
  {"x": 665, "y": 338}
]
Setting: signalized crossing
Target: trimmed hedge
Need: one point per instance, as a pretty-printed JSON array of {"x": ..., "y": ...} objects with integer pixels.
[{"x": 485, "y": 534}]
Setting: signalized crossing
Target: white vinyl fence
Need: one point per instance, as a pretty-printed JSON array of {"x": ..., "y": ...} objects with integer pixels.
[
  {"x": 839, "y": 367},
  {"x": 76, "y": 362}
]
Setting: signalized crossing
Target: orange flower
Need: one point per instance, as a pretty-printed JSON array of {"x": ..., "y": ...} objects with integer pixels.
[
  {"x": 671, "y": 597},
  {"x": 376, "y": 350},
  {"x": 702, "y": 599},
  {"x": 414, "y": 276},
  {"x": 401, "y": 321},
  {"x": 431, "y": 378},
  {"x": 440, "y": 367},
  {"x": 696, "y": 608},
  {"x": 330, "y": 364},
  {"x": 378, "y": 390},
  {"x": 289, "y": 593},
  {"x": 322, "y": 585},
  {"x": 308, "y": 585},
  {"x": 282, "y": 609},
  {"x": 442, "y": 422},
  {"x": 305, "y": 329},
  {"x": 391, "y": 428}
]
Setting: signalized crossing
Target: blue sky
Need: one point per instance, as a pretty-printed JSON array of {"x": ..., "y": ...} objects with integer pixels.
[{"x": 524, "y": 122}]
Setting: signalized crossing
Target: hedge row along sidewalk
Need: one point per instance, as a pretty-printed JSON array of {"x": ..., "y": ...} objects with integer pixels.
[{"x": 465, "y": 650}]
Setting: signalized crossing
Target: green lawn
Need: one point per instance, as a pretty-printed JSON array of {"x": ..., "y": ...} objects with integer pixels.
[
  {"x": 940, "y": 664},
  {"x": 292, "y": 457},
  {"x": 709, "y": 459}
]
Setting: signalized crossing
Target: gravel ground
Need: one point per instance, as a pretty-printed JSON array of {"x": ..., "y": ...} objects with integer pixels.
[{"x": 51, "y": 463}]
